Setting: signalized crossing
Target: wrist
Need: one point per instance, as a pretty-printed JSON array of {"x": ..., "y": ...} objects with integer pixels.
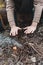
[
  {"x": 13, "y": 26},
  {"x": 34, "y": 23}
]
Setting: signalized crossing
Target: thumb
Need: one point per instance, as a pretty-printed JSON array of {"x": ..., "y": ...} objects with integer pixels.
[
  {"x": 25, "y": 28},
  {"x": 10, "y": 33},
  {"x": 19, "y": 28}
]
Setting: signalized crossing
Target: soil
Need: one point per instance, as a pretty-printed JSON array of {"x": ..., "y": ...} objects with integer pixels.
[{"x": 22, "y": 49}]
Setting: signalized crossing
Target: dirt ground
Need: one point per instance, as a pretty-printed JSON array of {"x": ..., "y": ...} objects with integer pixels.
[{"x": 22, "y": 49}]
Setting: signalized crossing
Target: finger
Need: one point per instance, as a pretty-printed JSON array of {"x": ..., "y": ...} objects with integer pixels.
[
  {"x": 10, "y": 33},
  {"x": 25, "y": 32},
  {"x": 32, "y": 32},
  {"x": 25, "y": 28},
  {"x": 19, "y": 28},
  {"x": 13, "y": 34},
  {"x": 16, "y": 32}
]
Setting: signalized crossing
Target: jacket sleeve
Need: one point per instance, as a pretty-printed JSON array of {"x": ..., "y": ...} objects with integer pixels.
[
  {"x": 10, "y": 12},
  {"x": 37, "y": 13}
]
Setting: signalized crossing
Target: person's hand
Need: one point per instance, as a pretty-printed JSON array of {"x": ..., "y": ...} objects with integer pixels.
[
  {"x": 30, "y": 29},
  {"x": 14, "y": 31}
]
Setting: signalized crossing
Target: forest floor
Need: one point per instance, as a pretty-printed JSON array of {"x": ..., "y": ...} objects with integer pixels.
[{"x": 22, "y": 49}]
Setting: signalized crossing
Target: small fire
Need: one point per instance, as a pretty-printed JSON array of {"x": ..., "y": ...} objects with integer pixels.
[{"x": 14, "y": 48}]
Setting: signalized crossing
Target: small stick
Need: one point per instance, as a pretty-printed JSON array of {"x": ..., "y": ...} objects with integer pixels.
[{"x": 35, "y": 48}]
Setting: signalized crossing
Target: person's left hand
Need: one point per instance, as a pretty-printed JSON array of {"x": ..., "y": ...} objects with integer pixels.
[{"x": 30, "y": 29}]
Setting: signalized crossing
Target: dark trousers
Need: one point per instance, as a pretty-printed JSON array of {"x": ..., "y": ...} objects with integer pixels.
[
  {"x": 23, "y": 20},
  {"x": 26, "y": 19}
]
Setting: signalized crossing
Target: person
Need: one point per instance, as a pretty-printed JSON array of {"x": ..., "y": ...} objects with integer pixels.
[
  {"x": 38, "y": 14},
  {"x": 11, "y": 6}
]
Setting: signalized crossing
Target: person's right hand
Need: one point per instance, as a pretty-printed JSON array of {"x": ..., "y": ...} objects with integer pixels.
[{"x": 14, "y": 31}]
